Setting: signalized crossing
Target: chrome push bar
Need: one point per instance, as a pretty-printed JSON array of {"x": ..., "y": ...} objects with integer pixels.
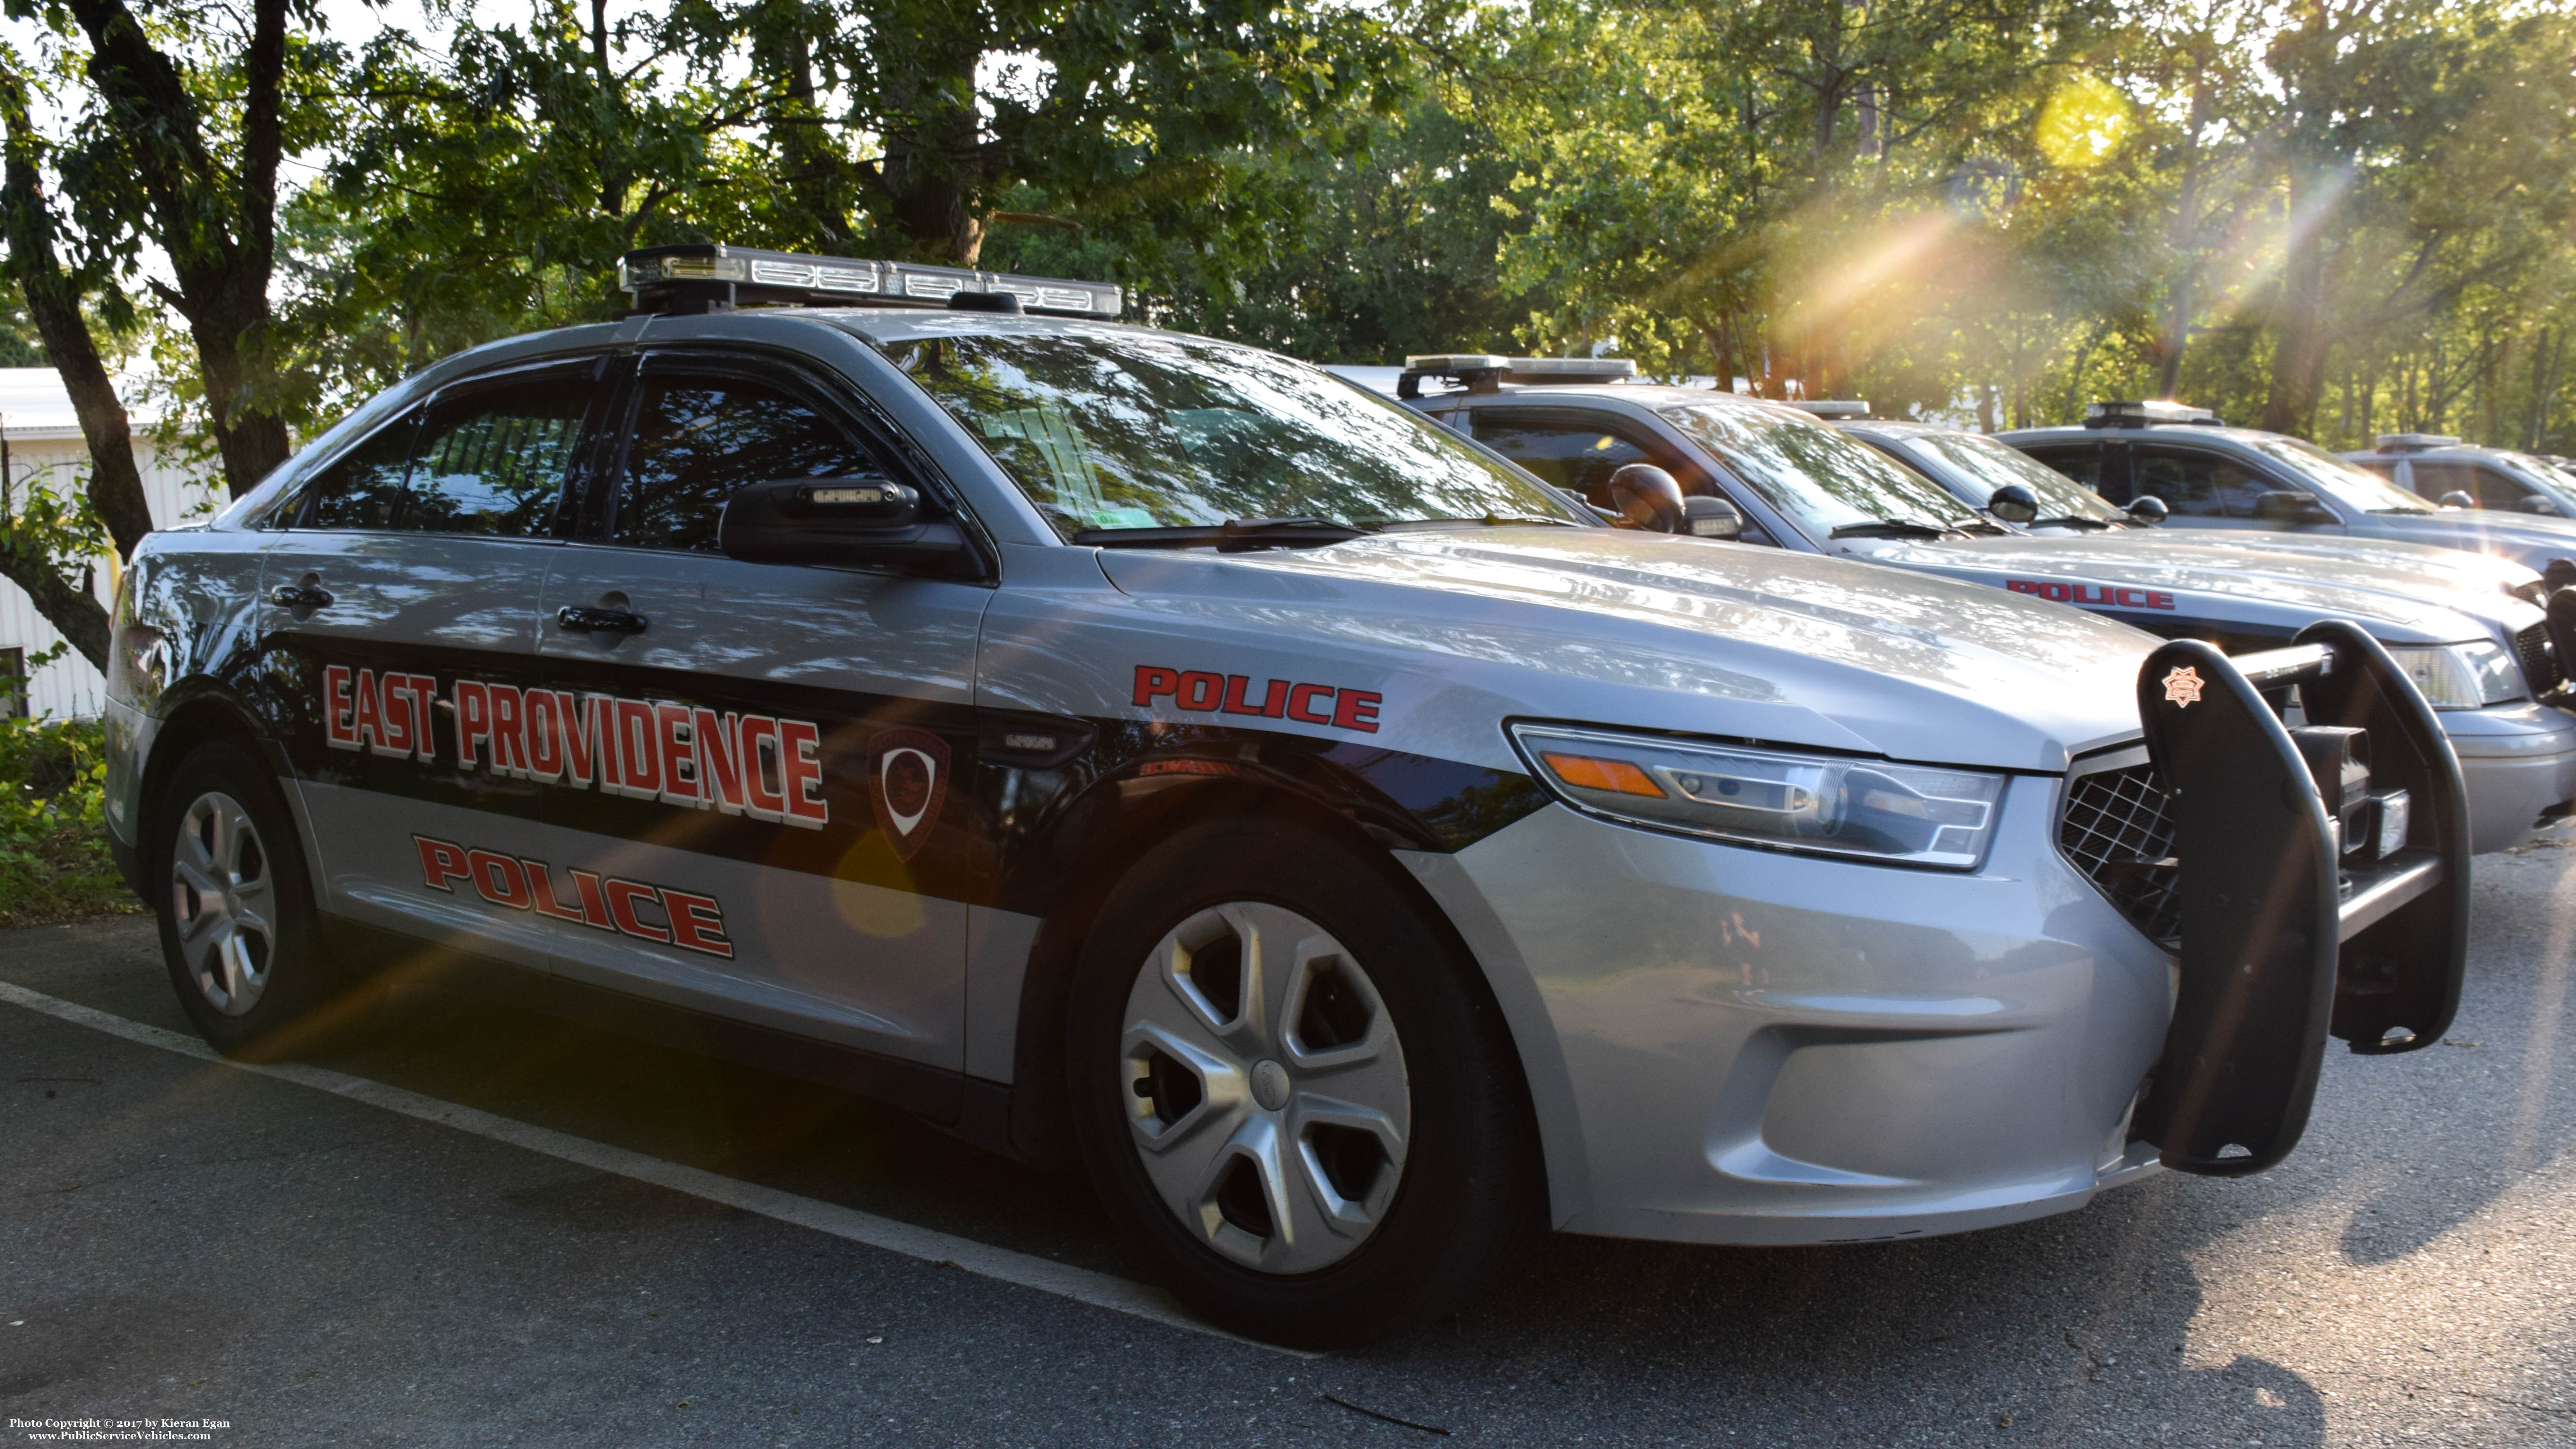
[{"x": 2324, "y": 879}]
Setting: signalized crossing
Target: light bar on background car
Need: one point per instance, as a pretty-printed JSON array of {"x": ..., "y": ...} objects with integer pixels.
[
  {"x": 1836, "y": 407},
  {"x": 710, "y": 276},
  {"x": 2414, "y": 442},
  {"x": 1487, "y": 371},
  {"x": 2140, "y": 414}
]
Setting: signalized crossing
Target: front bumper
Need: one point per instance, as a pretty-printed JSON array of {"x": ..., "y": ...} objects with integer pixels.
[
  {"x": 1742, "y": 1046},
  {"x": 2518, "y": 762}
]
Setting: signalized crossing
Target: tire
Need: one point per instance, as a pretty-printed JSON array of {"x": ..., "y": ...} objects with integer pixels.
[
  {"x": 235, "y": 905},
  {"x": 1293, "y": 1091}
]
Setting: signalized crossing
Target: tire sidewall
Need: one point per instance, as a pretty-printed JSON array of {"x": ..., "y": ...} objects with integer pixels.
[
  {"x": 1466, "y": 1170},
  {"x": 299, "y": 981}
]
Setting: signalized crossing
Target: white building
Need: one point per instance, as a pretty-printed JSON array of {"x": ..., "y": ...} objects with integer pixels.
[{"x": 42, "y": 439}]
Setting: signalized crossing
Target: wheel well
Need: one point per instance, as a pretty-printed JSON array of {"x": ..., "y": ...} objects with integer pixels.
[
  {"x": 189, "y": 726},
  {"x": 1041, "y": 1127}
]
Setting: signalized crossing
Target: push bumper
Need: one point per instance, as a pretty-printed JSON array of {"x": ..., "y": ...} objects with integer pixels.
[{"x": 2291, "y": 928}]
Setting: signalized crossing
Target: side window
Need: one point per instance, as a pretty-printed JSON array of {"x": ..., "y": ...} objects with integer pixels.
[
  {"x": 1569, "y": 455},
  {"x": 2198, "y": 485},
  {"x": 2492, "y": 490},
  {"x": 698, "y": 438},
  {"x": 493, "y": 461},
  {"x": 364, "y": 489},
  {"x": 2082, "y": 462}
]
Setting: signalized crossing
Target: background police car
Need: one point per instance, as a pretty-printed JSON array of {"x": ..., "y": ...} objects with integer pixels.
[
  {"x": 2481, "y": 653},
  {"x": 1318, "y": 875}
]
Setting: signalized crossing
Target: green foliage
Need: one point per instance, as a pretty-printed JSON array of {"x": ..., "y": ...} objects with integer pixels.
[{"x": 54, "y": 863}]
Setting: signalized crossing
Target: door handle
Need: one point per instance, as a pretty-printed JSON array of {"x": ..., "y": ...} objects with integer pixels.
[
  {"x": 600, "y": 621},
  {"x": 300, "y": 596}
]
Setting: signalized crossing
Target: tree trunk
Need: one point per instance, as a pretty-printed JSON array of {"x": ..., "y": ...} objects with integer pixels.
[
  {"x": 2184, "y": 239},
  {"x": 932, "y": 172},
  {"x": 215, "y": 223},
  {"x": 2299, "y": 330},
  {"x": 53, "y": 303}
]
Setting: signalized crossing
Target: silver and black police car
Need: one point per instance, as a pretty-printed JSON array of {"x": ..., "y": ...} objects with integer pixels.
[{"x": 1093, "y": 738}]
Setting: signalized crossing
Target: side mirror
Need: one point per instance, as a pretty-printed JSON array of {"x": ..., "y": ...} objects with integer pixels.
[
  {"x": 864, "y": 522},
  {"x": 2148, "y": 509},
  {"x": 2013, "y": 503},
  {"x": 2535, "y": 503},
  {"x": 1706, "y": 517},
  {"x": 2288, "y": 505},
  {"x": 1648, "y": 498},
  {"x": 2458, "y": 499}
]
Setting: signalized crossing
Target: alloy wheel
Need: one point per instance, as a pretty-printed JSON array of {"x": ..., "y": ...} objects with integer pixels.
[
  {"x": 1266, "y": 1087},
  {"x": 223, "y": 896}
]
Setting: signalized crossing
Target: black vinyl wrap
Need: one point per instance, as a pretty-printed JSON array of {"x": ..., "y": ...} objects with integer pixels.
[{"x": 1011, "y": 823}]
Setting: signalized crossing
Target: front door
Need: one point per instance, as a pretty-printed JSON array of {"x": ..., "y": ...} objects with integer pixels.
[
  {"x": 2210, "y": 490},
  {"x": 411, "y": 572},
  {"x": 751, "y": 799}
]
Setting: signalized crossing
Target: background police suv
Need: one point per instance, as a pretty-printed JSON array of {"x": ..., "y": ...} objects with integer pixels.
[{"x": 1081, "y": 734}]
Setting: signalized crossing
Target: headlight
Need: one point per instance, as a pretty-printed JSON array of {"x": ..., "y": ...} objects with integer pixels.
[
  {"x": 2462, "y": 676},
  {"x": 1821, "y": 803}
]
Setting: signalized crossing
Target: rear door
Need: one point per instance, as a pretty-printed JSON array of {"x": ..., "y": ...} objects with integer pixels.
[
  {"x": 414, "y": 564},
  {"x": 751, "y": 797}
]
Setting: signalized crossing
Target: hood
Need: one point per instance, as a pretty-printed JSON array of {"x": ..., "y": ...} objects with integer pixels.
[
  {"x": 2477, "y": 572},
  {"x": 1636, "y": 630},
  {"x": 2169, "y": 587},
  {"x": 2531, "y": 542}
]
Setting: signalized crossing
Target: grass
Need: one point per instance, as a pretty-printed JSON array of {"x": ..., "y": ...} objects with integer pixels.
[{"x": 54, "y": 864}]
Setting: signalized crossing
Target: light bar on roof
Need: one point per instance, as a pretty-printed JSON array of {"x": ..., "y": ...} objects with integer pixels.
[
  {"x": 2414, "y": 442},
  {"x": 1568, "y": 369},
  {"x": 2140, "y": 414},
  {"x": 1835, "y": 407},
  {"x": 710, "y": 276}
]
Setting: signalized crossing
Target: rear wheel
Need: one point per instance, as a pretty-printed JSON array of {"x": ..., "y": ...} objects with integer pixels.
[
  {"x": 236, "y": 910},
  {"x": 1293, "y": 1092}
]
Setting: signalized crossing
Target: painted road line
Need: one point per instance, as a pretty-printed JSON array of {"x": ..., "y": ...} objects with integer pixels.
[{"x": 1082, "y": 1285}]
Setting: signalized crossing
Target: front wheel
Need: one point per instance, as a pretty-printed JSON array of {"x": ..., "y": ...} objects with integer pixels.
[
  {"x": 1293, "y": 1091},
  {"x": 236, "y": 910}
]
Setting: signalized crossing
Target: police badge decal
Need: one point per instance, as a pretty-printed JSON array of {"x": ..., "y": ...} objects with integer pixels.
[
  {"x": 2183, "y": 686},
  {"x": 907, "y": 783}
]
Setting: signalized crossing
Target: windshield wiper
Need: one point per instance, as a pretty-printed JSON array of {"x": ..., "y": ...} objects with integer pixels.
[
  {"x": 1486, "y": 520},
  {"x": 1889, "y": 528},
  {"x": 1235, "y": 535},
  {"x": 2070, "y": 520}
]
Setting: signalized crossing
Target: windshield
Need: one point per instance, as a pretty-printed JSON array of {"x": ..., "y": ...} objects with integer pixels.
[
  {"x": 1986, "y": 465},
  {"x": 2537, "y": 473},
  {"x": 1110, "y": 429},
  {"x": 2353, "y": 487},
  {"x": 1812, "y": 473}
]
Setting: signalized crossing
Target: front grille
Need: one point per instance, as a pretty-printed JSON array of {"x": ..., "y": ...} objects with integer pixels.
[
  {"x": 2117, "y": 830},
  {"x": 2539, "y": 662}
]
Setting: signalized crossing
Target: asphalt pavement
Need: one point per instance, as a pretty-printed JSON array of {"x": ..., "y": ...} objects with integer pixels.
[{"x": 184, "y": 1240}]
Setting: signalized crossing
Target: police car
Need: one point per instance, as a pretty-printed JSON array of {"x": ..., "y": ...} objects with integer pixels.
[
  {"x": 1102, "y": 739},
  {"x": 2440, "y": 467},
  {"x": 2481, "y": 654},
  {"x": 2243, "y": 480}
]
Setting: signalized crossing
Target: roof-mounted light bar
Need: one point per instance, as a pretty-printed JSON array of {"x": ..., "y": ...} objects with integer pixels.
[
  {"x": 1833, "y": 407},
  {"x": 713, "y": 277},
  {"x": 2414, "y": 442},
  {"x": 1488, "y": 371},
  {"x": 2143, "y": 414}
]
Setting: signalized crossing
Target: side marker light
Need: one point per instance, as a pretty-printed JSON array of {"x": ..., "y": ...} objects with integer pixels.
[{"x": 1617, "y": 776}]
